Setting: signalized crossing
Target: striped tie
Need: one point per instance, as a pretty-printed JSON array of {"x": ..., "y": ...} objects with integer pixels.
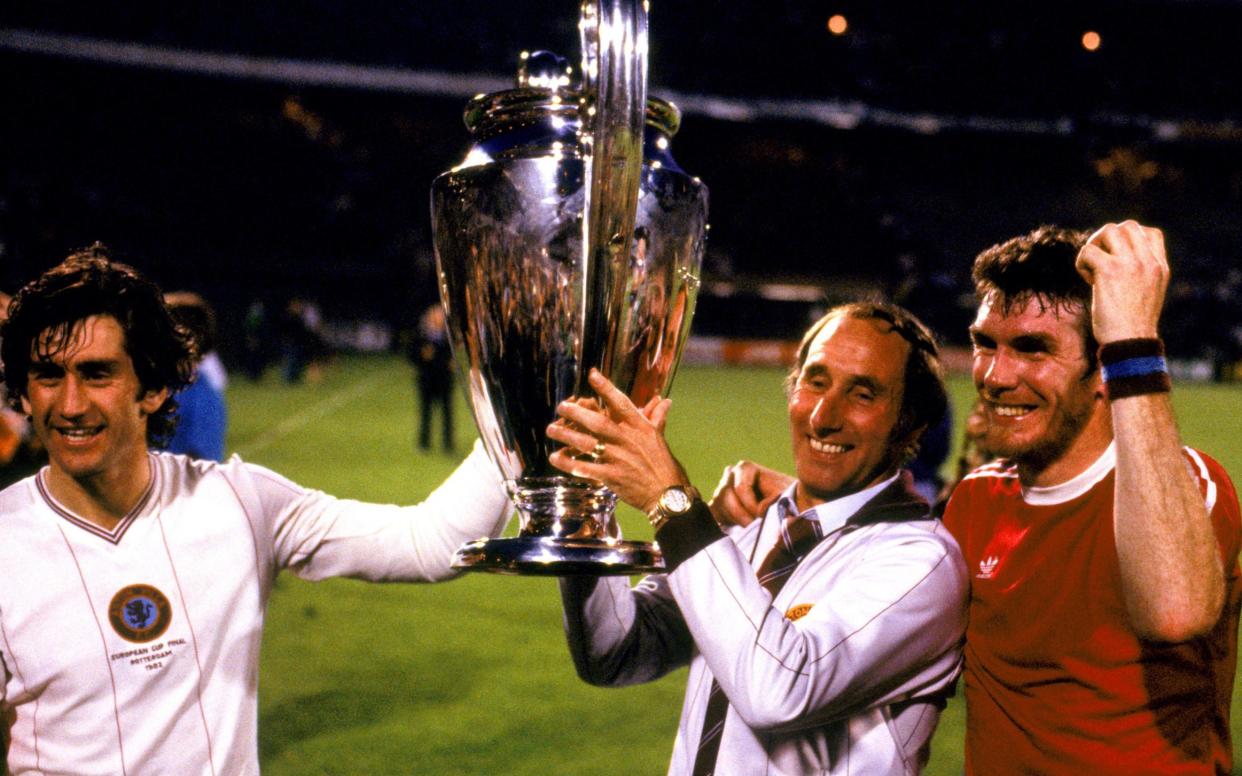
[{"x": 799, "y": 533}]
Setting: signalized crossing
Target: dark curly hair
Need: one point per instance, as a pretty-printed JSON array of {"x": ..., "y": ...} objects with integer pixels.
[
  {"x": 924, "y": 399},
  {"x": 1039, "y": 265},
  {"x": 86, "y": 284}
]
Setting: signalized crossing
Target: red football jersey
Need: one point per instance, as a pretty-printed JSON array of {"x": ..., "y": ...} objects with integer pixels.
[{"x": 1056, "y": 681}]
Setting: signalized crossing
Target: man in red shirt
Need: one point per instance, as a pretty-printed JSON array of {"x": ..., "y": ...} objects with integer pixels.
[{"x": 1103, "y": 555}]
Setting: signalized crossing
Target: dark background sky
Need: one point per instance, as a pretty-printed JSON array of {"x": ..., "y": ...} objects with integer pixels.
[{"x": 884, "y": 158}]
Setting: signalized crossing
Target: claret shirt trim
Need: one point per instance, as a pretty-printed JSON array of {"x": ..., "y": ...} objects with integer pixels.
[{"x": 116, "y": 533}]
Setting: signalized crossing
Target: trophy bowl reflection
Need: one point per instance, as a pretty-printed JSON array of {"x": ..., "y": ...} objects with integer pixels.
[{"x": 535, "y": 297}]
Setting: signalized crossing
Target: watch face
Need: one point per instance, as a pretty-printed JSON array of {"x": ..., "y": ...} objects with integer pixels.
[{"x": 675, "y": 500}]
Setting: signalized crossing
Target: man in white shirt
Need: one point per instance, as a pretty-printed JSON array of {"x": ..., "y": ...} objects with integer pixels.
[
  {"x": 136, "y": 583},
  {"x": 821, "y": 638}
]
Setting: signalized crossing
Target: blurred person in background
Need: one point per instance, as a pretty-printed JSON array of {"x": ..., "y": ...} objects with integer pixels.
[
  {"x": 256, "y": 338},
  {"x": 823, "y": 637},
  {"x": 432, "y": 357},
  {"x": 319, "y": 352},
  {"x": 135, "y": 582},
  {"x": 933, "y": 452},
  {"x": 202, "y": 415},
  {"x": 21, "y": 454},
  {"x": 973, "y": 453},
  {"x": 303, "y": 347}
]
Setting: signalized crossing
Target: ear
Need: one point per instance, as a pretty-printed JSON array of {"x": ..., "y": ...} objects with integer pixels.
[
  {"x": 1097, "y": 385},
  {"x": 908, "y": 440},
  {"x": 26, "y": 405},
  {"x": 151, "y": 401}
]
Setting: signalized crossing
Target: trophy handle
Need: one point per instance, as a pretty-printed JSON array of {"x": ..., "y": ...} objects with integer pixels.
[{"x": 614, "y": 73}]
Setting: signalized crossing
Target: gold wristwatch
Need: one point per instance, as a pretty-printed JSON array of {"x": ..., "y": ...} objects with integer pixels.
[{"x": 675, "y": 501}]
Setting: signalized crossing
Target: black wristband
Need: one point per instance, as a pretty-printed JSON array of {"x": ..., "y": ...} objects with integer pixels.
[
  {"x": 1139, "y": 347},
  {"x": 1133, "y": 367}
]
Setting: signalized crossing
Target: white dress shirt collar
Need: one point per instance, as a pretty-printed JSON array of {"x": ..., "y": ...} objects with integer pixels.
[{"x": 833, "y": 514}]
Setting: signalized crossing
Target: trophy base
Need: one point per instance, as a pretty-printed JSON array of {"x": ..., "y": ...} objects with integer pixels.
[{"x": 543, "y": 556}]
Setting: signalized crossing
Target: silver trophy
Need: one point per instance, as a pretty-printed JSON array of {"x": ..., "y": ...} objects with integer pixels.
[{"x": 568, "y": 238}]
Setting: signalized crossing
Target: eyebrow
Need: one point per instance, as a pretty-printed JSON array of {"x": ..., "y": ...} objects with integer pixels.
[
  {"x": 1033, "y": 342},
  {"x": 95, "y": 364},
  {"x": 863, "y": 381},
  {"x": 868, "y": 382},
  {"x": 45, "y": 365},
  {"x": 1020, "y": 342}
]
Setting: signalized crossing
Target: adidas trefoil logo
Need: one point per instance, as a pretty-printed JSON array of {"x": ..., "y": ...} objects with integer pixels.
[{"x": 987, "y": 567}]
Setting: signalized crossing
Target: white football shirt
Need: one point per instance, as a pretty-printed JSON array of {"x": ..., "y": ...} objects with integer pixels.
[{"x": 136, "y": 651}]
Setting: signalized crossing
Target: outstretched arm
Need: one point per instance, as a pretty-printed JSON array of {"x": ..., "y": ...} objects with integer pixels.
[
  {"x": 318, "y": 536},
  {"x": 1171, "y": 572}
]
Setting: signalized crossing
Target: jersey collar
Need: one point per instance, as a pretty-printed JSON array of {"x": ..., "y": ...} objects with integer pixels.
[
  {"x": 119, "y": 530},
  {"x": 1077, "y": 485}
]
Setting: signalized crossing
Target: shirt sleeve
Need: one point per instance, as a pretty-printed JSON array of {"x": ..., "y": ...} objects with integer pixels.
[
  {"x": 1222, "y": 503},
  {"x": 620, "y": 635},
  {"x": 889, "y": 628},
  {"x": 319, "y": 536},
  {"x": 6, "y": 714}
]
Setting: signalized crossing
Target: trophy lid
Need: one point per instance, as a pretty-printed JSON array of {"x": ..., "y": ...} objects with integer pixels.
[{"x": 546, "y": 106}]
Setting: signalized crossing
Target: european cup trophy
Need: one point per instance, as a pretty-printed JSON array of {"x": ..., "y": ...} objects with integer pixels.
[{"x": 567, "y": 239}]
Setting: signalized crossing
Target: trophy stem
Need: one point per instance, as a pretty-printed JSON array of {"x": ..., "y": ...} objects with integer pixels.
[
  {"x": 564, "y": 508},
  {"x": 568, "y": 527}
]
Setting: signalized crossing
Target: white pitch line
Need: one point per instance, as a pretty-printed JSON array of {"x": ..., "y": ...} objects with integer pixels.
[{"x": 304, "y": 418}]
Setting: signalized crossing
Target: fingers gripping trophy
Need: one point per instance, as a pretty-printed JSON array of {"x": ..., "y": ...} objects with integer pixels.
[{"x": 568, "y": 239}]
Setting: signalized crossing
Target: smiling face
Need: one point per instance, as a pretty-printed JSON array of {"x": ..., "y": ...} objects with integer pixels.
[
  {"x": 843, "y": 408},
  {"x": 87, "y": 405},
  {"x": 1042, "y": 400}
]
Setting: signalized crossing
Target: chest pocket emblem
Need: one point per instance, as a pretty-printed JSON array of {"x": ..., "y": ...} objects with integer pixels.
[
  {"x": 139, "y": 613},
  {"x": 798, "y": 612}
]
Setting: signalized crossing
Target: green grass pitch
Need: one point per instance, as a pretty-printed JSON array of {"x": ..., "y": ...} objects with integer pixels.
[{"x": 473, "y": 677}]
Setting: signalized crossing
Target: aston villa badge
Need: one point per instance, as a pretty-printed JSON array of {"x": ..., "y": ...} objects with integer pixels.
[{"x": 140, "y": 613}]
